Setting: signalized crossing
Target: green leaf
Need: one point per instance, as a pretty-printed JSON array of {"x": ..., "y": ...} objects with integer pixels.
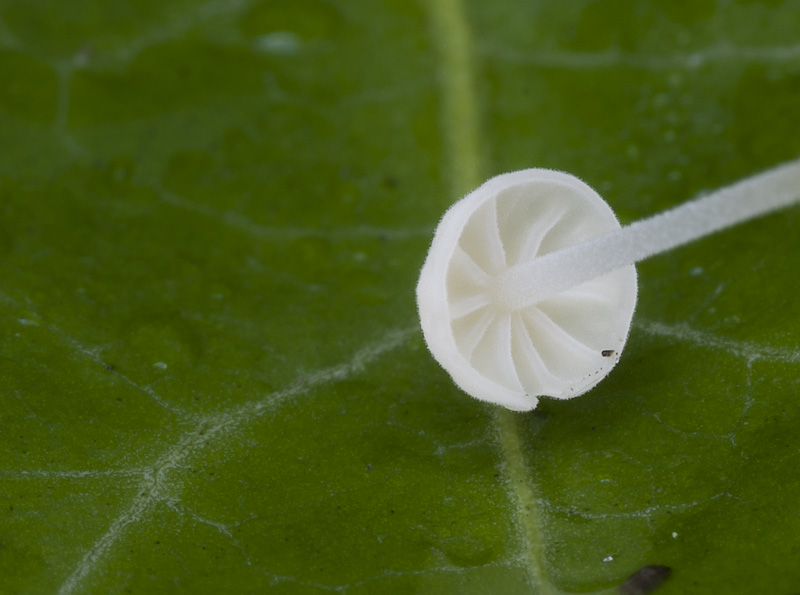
[{"x": 212, "y": 218}]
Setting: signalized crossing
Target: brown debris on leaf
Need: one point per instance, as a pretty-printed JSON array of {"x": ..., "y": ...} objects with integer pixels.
[{"x": 645, "y": 580}]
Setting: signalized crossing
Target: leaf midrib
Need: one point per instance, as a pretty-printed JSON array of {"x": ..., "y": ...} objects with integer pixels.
[{"x": 450, "y": 30}]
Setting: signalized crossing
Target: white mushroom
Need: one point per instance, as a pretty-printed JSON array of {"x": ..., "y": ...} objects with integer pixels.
[{"x": 529, "y": 286}]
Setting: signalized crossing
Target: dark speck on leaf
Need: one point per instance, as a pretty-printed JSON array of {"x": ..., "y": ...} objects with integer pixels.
[
  {"x": 645, "y": 580},
  {"x": 390, "y": 182},
  {"x": 110, "y": 368}
]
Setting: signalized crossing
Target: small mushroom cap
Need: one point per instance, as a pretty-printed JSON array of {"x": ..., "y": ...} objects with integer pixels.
[{"x": 554, "y": 348}]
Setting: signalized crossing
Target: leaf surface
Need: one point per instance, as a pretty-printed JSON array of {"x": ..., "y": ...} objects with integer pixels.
[{"x": 212, "y": 218}]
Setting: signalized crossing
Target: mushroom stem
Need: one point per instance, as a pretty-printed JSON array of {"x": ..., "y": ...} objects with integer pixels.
[{"x": 529, "y": 283}]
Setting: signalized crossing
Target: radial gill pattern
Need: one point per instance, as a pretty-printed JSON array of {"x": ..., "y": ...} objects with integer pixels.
[{"x": 560, "y": 347}]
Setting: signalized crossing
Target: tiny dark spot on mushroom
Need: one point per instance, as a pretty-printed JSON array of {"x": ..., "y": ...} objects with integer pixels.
[
  {"x": 645, "y": 580},
  {"x": 607, "y": 352}
]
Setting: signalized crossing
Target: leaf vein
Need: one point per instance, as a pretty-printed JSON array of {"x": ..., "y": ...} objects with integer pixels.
[{"x": 158, "y": 486}]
